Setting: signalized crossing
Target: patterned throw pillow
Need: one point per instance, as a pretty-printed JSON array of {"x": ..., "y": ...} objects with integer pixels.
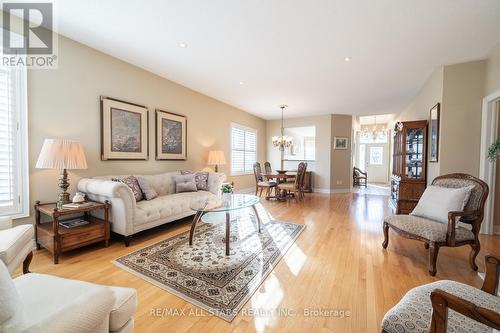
[
  {"x": 146, "y": 188},
  {"x": 201, "y": 179},
  {"x": 131, "y": 182}
]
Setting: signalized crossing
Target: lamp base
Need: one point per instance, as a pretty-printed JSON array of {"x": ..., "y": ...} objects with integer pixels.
[
  {"x": 216, "y": 168},
  {"x": 63, "y": 185}
]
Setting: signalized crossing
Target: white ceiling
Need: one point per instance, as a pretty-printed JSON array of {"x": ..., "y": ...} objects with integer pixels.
[{"x": 290, "y": 51}]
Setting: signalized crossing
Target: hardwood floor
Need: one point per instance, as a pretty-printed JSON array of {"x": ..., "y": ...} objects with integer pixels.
[{"x": 337, "y": 263}]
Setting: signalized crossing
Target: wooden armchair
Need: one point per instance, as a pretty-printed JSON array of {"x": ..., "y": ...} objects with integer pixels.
[
  {"x": 359, "y": 177},
  {"x": 425, "y": 308},
  {"x": 435, "y": 234}
]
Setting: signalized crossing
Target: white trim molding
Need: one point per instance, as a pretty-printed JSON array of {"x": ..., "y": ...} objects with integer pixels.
[
  {"x": 331, "y": 191},
  {"x": 496, "y": 229},
  {"x": 487, "y": 169}
]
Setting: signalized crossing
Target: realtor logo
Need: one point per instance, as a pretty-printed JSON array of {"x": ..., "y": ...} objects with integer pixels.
[{"x": 28, "y": 38}]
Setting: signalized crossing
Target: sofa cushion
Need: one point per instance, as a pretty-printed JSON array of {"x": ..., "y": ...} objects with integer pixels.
[
  {"x": 10, "y": 303},
  {"x": 425, "y": 228},
  {"x": 185, "y": 183},
  {"x": 13, "y": 240},
  {"x": 414, "y": 312},
  {"x": 162, "y": 183},
  {"x": 124, "y": 307},
  {"x": 169, "y": 205},
  {"x": 201, "y": 179},
  {"x": 146, "y": 188}
]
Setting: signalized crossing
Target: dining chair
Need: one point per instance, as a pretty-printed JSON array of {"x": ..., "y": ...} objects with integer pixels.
[
  {"x": 260, "y": 183},
  {"x": 267, "y": 167},
  {"x": 302, "y": 182},
  {"x": 293, "y": 189}
]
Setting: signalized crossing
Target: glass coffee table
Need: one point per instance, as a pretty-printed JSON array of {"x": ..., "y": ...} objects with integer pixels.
[{"x": 227, "y": 204}]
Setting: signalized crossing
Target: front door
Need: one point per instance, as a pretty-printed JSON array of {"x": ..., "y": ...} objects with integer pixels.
[{"x": 374, "y": 159}]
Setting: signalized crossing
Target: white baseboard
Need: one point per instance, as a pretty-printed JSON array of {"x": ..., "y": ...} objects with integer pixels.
[
  {"x": 331, "y": 191},
  {"x": 496, "y": 229}
]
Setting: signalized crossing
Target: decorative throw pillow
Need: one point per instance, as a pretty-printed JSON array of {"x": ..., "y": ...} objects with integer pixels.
[
  {"x": 200, "y": 177},
  {"x": 437, "y": 201},
  {"x": 131, "y": 182},
  {"x": 146, "y": 188},
  {"x": 185, "y": 183}
]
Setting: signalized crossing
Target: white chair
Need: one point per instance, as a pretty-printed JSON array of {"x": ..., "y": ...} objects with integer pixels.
[
  {"x": 43, "y": 303},
  {"x": 16, "y": 244}
]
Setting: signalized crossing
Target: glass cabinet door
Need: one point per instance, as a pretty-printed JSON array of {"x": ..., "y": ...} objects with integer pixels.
[{"x": 414, "y": 153}]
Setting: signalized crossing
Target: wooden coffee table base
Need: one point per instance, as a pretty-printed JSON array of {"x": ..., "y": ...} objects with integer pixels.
[{"x": 197, "y": 218}]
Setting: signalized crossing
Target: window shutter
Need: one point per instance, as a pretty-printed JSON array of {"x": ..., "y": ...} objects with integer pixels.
[
  {"x": 243, "y": 149},
  {"x": 13, "y": 140}
]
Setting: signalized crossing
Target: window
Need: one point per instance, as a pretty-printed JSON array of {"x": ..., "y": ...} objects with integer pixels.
[
  {"x": 13, "y": 142},
  {"x": 243, "y": 149},
  {"x": 376, "y": 155},
  {"x": 309, "y": 148}
]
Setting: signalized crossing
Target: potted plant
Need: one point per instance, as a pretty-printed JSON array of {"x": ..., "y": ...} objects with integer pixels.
[{"x": 494, "y": 150}]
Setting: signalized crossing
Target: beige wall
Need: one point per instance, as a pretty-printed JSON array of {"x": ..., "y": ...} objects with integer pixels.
[
  {"x": 430, "y": 94},
  {"x": 321, "y": 167},
  {"x": 492, "y": 76},
  {"x": 64, "y": 103},
  {"x": 463, "y": 92},
  {"x": 340, "y": 161}
]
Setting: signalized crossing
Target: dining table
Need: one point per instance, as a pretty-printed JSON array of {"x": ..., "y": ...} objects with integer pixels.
[{"x": 280, "y": 176}]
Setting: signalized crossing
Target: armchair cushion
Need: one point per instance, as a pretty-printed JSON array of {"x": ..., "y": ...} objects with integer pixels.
[
  {"x": 413, "y": 313},
  {"x": 10, "y": 304},
  {"x": 13, "y": 240},
  {"x": 428, "y": 229},
  {"x": 437, "y": 201}
]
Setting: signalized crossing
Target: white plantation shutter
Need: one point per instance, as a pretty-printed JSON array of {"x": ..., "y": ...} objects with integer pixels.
[
  {"x": 13, "y": 142},
  {"x": 243, "y": 149}
]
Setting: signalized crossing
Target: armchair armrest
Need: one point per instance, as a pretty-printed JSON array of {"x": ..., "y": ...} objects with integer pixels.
[
  {"x": 490, "y": 284},
  {"x": 121, "y": 197},
  {"x": 452, "y": 221},
  {"x": 442, "y": 301}
]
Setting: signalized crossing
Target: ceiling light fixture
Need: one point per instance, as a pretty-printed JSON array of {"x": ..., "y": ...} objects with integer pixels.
[
  {"x": 183, "y": 45},
  {"x": 347, "y": 59},
  {"x": 282, "y": 141},
  {"x": 242, "y": 83}
]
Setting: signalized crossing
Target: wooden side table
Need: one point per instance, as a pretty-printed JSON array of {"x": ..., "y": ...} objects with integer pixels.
[{"x": 58, "y": 239}]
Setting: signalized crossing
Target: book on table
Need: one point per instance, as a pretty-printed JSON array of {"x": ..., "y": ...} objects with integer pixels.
[
  {"x": 73, "y": 223},
  {"x": 74, "y": 205}
]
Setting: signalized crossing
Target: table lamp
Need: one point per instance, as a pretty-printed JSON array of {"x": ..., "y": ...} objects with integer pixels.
[
  {"x": 216, "y": 157},
  {"x": 62, "y": 155}
]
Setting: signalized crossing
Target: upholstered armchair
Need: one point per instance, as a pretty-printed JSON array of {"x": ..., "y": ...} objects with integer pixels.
[
  {"x": 16, "y": 244},
  {"x": 462, "y": 227},
  {"x": 426, "y": 308},
  {"x": 39, "y": 303},
  {"x": 359, "y": 177}
]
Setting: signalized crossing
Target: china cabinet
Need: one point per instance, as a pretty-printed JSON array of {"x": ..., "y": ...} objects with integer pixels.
[{"x": 408, "y": 180}]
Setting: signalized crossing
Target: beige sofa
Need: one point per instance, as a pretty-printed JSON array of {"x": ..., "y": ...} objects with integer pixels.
[{"x": 129, "y": 217}]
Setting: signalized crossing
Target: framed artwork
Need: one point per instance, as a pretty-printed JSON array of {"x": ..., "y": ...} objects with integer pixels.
[
  {"x": 340, "y": 142},
  {"x": 171, "y": 136},
  {"x": 434, "y": 133},
  {"x": 124, "y": 130}
]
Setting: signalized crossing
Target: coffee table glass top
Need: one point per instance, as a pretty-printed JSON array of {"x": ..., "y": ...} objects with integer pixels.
[{"x": 226, "y": 203}]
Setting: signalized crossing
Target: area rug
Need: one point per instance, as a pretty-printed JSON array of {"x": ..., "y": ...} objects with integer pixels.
[{"x": 202, "y": 274}]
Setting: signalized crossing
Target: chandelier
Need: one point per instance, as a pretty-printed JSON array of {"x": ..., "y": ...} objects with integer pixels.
[
  {"x": 374, "y": 132},
  {"x": 282, "y": 141}
]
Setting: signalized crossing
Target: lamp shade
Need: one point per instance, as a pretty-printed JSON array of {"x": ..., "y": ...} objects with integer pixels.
[
  {"x": 61, "y": 154},
  {"x": 216, "y": 157}
]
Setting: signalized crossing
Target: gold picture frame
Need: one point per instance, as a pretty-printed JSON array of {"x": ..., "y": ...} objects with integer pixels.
[
  {"x": 171, "y": 136},
  {"x": 124, "y": 130}
]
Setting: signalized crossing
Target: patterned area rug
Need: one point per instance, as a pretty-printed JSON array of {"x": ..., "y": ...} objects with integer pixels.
[{"x": 202, "y": 274}]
